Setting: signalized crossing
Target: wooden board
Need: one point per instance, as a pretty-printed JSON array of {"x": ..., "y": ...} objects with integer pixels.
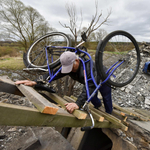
[
  {"x": 41, "y": 103},
  {"x": 8, "y": 86},
  {"x": 96, "y": 116},
  {"x": 13, "y": 115},
  {"x": 78, "y": 113}
]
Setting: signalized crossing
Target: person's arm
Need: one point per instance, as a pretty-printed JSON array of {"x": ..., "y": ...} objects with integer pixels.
[
  {"x": 26, "y": 82},
  {"x": 83, "y": 96}
]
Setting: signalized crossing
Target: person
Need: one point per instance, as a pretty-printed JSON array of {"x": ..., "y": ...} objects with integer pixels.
[{"x": 72, "y": 66}]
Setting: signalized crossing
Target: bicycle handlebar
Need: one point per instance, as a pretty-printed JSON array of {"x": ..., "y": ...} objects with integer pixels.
[
  {"x": 86, "y": 128},
  {"x": 84, "y": 37}
]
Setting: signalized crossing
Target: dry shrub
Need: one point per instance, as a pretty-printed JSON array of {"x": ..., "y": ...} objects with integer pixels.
[{"x": 9, "y": 51}]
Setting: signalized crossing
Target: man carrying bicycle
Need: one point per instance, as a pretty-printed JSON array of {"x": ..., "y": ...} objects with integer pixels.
[{"x": 72, "y": 66}]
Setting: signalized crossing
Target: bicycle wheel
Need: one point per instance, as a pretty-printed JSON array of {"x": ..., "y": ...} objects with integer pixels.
[
  {"x": 36, "y": 55},
  {"x": 118, "y": 46}
]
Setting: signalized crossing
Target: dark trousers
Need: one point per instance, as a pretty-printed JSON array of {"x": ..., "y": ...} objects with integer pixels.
[{"x": 106, "y": 94}]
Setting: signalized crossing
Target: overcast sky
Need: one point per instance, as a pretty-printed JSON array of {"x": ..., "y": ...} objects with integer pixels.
[{"x": 132, "y": 16}]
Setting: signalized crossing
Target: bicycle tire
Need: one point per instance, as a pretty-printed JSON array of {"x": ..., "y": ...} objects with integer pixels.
[
  {"x": 36, "y": 55},
  {"x": 110, "y": 51}
]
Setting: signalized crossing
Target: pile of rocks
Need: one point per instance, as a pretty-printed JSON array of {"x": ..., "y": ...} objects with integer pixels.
[{"x": 137, "y": 93}]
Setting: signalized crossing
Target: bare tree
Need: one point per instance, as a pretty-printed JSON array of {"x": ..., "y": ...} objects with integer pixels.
[
  {"x": 76, "y": 27},
  {"x": 94, "y": 24},
  {"x": 98, "y": 35},
  {"x": 22, "y": 23}
]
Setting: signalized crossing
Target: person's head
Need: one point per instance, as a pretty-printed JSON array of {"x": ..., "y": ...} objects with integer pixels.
[{"x": 69, "y": 61}]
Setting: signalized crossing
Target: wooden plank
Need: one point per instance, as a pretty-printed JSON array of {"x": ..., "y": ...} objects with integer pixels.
[
  {"x": 96, "y": 116},
  {"x": 139, "y": 116},
  {"x": 119, "y": 113},
  {"x": 101, "y": 111},
  {"x": 78, "y": 113},
  {"x": 142, "y": 112},
  {"x": 107, "y": 116},
  {"x": 123, "y": 110},
  {"x": 116, "y": 112},
  {"x": 8, "y": 86},
  {"x": 41, "y": 103},
  {"x": 146, "y": 111},
  {"x": 110, "y": 118},
  {"x": 69, "y": 99},
  {"x": 13, "y": 115}
]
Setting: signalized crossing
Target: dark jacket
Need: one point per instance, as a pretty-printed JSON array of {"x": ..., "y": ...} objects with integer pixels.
[{"x": 79, "y": 76}]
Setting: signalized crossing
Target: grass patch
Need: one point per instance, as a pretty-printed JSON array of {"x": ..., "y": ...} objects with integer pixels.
[{"x": 13, "y": 63}]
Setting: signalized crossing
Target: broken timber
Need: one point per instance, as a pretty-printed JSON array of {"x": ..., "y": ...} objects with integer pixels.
[{"x": 49, "y": 114}]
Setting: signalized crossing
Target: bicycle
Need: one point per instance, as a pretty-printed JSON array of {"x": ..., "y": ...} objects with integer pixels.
[{"x": 124, "y": 55}]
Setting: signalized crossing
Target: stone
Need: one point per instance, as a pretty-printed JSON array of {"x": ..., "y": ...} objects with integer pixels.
[
  {"x": 12, "y": 129},
  {"x": 141, "y": 98},
  {"x": 147, "y": 101}
]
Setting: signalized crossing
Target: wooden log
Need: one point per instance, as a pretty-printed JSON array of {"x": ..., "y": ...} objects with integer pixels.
[
  {"x": 14, "y": 115},
  {"x": 78, "y": 113},
  {"x": 8, "y": 86},
  {"x": 41, "y": 103}
]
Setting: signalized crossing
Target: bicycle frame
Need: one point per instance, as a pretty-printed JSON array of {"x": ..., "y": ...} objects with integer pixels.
[
  {"x": 117, "y": 64},
  {"x": 97, "y": 86}
]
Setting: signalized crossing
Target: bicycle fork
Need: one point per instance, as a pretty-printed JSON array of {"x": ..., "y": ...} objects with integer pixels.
[{"x": 86, "y": 108}]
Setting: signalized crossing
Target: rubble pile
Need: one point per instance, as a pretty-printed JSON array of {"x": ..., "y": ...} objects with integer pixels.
[{"x": 137, "y": 93}]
